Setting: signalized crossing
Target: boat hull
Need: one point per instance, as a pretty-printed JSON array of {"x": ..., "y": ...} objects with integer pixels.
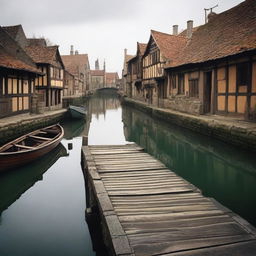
[
  {"x": 77, "y": 112},
  {"x": 76, "y": 115},
  {"x": 13, "y": 160}
]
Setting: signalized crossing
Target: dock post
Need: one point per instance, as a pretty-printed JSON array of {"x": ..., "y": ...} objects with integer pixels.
[{"x": 85, "y": 140}]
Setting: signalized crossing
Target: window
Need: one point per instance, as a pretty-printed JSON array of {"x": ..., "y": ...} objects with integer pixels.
[
  {"x": 242, "y": 71},
  {"x": 181, "y": 89},
  {"x": 193, "y": 88}
]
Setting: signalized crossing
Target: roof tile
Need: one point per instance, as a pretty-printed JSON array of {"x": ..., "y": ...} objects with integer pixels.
[{"x": 228, "y": 33}]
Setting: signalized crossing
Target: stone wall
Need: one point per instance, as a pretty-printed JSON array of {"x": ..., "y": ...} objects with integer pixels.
[
  {"x": 185, "y": 104},
  {"x": 14, "y": 129},
  {"x": 234, "y": 133}
]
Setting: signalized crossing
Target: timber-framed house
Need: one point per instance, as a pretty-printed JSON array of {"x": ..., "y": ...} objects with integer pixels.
[
  {"x": 134, "y": 73},
  {"x": 161, "y": 49},
  {"x": 17, "y": 75},
  {"x": 216, "y": 71},
  {"x": 48, "y": 60},
  {"x": 78, "y": 65}
]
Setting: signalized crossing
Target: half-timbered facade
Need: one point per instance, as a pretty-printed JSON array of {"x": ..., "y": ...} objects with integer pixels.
[
  {"x": 161, "y": 49},
  {"x": 78, "y": 65},
  {"x": 126, "y": 86},
  {"x": 48, "y": 60},
  {"x": 216, "y": 72},
  {"x": 17, "y": 76},
  {"x": 69, "y": 84},
  {"x": 134, "y": 73}
]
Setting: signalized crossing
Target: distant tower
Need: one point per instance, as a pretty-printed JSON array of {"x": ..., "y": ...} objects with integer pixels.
[
  {"x": 97, "y": 66},
  {"x": 104, "y": 66},
  {"x": 71, "y": 50}
]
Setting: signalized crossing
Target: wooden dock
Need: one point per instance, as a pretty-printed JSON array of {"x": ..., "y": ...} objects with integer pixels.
[{"x": 146, "y": 209}]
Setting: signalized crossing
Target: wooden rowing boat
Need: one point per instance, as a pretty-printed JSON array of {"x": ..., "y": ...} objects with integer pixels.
[
  {"x": 30, "y": 146},
  {"x": 77, "y": 112}
]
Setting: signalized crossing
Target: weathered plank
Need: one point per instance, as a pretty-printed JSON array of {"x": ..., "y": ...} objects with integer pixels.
[
  {"x": 190, "y": 246},
  {"x": 234, "y": 249},
  {"x": 150, "y": 210}
]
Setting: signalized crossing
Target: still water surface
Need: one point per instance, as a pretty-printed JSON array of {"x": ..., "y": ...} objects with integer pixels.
[{"x": 42, "y": 205}]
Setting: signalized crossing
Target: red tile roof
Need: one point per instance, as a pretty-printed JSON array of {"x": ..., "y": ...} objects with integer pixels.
[
  {"x": 42, "y": 54},
  {"x": 97, "y": 73},
  {"x": 37, "y": 42},
  {"x": 129, "y": 57},
  {"x": 12, "y": 30},
  {"x": 76, "y": 62},
  {"x": 170, "y": 46},
  {"x": 8, "y": 61},
  {"x": 228, "y": 33},
  {"x": 111, "y": 77},
  {"x": 184, "y": 32},
  {"x": 142, "y": 48}
]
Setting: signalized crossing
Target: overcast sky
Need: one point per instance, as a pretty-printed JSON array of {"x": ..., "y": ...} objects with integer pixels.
[{"x": 103, "y": 28}]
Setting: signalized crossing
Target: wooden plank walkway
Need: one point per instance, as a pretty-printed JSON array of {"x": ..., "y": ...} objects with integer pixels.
[{"x": 149, "y": 210}]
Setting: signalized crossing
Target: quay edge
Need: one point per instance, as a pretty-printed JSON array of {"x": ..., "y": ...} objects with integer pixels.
[
  {"x": 11, "y": 128},
  {"x": 241, "y": 134}
]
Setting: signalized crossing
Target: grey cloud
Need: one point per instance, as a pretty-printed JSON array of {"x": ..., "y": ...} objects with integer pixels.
[{"x": 56, "y": 12}]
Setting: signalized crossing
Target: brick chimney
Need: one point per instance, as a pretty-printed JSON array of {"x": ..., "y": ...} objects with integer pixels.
[
  {"x": 189, "y": 28},
  {"x": 175, "y": 30},
  {"x": 211, "y": 16},
  {"x": 71, "y": 50}
]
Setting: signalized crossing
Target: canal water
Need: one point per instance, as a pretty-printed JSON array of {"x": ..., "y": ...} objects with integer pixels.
[{"x": 42, "y": 205}]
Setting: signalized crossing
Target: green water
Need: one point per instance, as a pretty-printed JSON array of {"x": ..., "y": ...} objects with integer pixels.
[
  {"x": 42, "y": 205},
  {"x": 223, "y": 172}
]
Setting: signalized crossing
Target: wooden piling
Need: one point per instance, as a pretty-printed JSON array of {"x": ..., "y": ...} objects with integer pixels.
[{"x": 85, "y": 140}]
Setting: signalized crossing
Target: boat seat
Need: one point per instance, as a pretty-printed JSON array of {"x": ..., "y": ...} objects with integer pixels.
[
  {"x": 23, "y": 146},
  {"x": 39, "y": 138},
  {"x": 51, "y": 131},
  {"x": 42, "y": 132}
]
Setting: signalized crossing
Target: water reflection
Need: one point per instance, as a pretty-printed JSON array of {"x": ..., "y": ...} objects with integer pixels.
[
  {"x": 47, "y": 218},
  {"x": 219, "y": 170},
  {"x": 14, "y": 183},
  {"x": 106, "y": 125},
  {"x": 73, "y": 128}
]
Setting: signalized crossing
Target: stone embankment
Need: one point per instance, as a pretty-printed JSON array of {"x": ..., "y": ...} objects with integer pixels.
[
  {"x": 230, "y": 130},
  {"x": 15, "y": 126}
]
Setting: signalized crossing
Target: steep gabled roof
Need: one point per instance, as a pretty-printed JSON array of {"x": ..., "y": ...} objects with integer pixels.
[
  {"x": 12, "y": 30},
  {"x": 42, "y": 54},
  {"x": 13, "y": 56},
  {"x": 97, "y": 72},
  {"x": 141, "y": 48},
  {"x": 111, "y": 76},
  {"x": 170, "y": 46},
  {"x": 17, "y": 33},
  {"x": 184, "y": 32},
  {"x": 76, "y": 62},
  {"x": 37, "y": 42},
  {"x": 9, "y": 61},
  {"x": 228, "y": 33},
  {"x": 129, "y": 57}
]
